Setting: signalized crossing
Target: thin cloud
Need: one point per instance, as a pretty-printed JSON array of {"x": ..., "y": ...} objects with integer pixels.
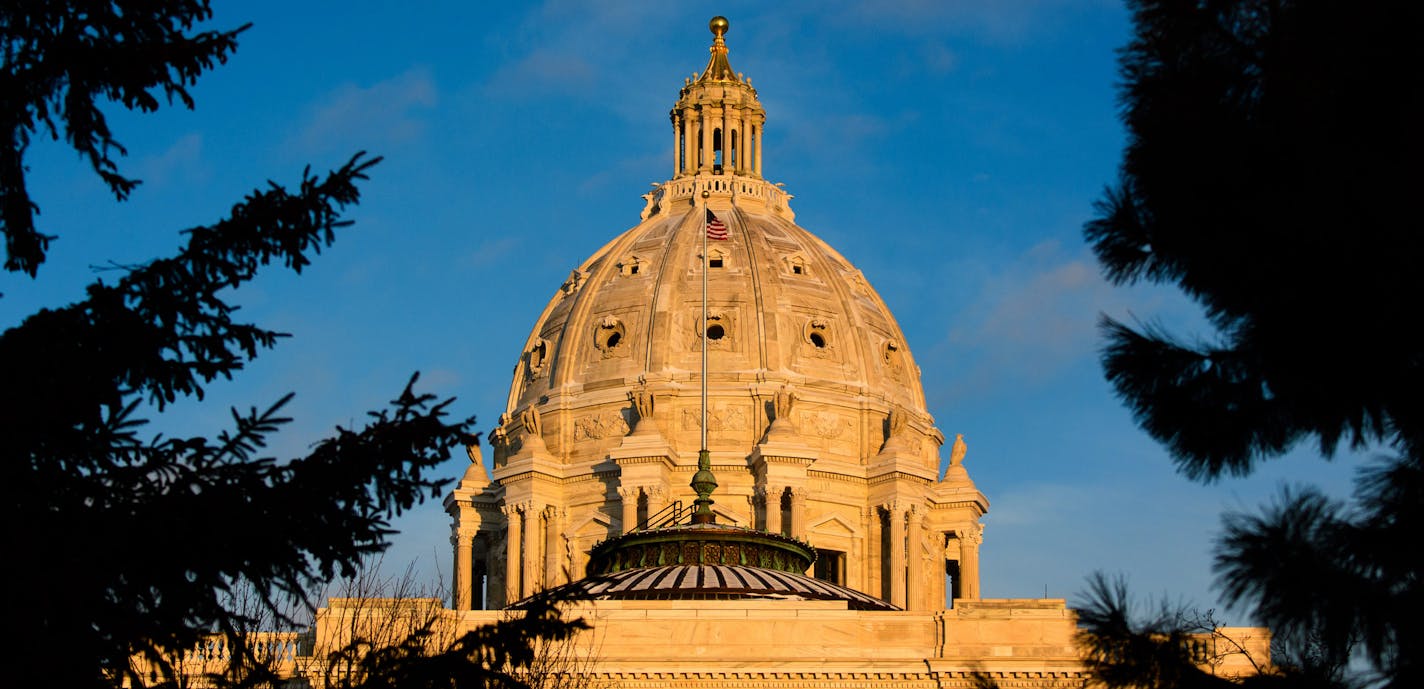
[
  {"x": 384, "y": 113},
  {"x": 490, "y": 252},
  {"x": 1035, "y": 319},
  {"x": 545, "y": 71},
  {"x": 1010, "y": 21},
  {"x": 181, "y": 161}
]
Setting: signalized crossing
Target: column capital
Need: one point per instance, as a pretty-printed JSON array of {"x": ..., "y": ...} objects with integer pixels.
[{"x": 974, "y": 534}]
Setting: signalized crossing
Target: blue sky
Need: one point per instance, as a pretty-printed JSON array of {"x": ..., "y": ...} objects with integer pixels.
[{"x": 951, "y": 150}]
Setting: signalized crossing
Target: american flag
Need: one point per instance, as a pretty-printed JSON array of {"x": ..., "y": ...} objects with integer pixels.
[{"x": 715, "y": 228}]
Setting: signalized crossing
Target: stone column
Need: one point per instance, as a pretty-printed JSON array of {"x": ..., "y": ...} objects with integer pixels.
[
  {"x": 689, "y": 138},
  {"x": 629, "y": 496},
  {"x": 463, "y": 540},
  {"x": 915, "y": 576},
  {"x": 744, "y": 143},
  {"x": 942, "y": 555},
  {"x": 676, "y": 145},
  {"x": 772, "y": 501},
  {"x": 554, "y": 566},
  {"x": 969, "y": 561},
  {"x": 704, "y": 142},
  {"x": 798, "y": 513},
  {"x": 759, "y": 125},
  {"x": 897, "y": 554},
  {"x": 529, "y": 563},
  {"x": 515, "y": 518},
  {"x": 873, "y": 548}
]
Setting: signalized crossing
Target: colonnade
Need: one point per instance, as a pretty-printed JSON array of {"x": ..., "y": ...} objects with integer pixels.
[
  {"x": 700, "y": 132},
  {"x": 903, "y": 559}
]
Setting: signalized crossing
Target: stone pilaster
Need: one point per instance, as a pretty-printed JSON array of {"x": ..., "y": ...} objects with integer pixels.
[
  {"x": 897, "y": 553},
  {"x": 915, "y": 575}
]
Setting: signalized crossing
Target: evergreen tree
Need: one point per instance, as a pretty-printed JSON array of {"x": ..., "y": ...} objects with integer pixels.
[
  {"x": 119, "y": 545},
  {"x": 1271, "y": 172}
]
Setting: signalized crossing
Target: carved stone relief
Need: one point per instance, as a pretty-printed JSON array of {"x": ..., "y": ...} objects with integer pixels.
[
  {"x": 826, "y": 425},
  {"x": 718, "y": 419},
  {"x": 600, "y": 425}
]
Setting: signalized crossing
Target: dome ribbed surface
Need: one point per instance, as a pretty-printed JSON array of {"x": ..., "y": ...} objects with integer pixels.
[{"x": 713, "y": 582}]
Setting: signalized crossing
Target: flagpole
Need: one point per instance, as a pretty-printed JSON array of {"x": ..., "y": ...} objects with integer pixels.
[
  {"x": 703, "y": 481},
  {"x": 705, "y": 267}
]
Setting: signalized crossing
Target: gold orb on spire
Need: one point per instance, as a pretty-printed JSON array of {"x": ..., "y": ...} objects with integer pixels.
[{"x": 719, "y": 26}]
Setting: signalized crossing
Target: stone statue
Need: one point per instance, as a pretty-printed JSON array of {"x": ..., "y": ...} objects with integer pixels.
[
  {"x": 958, "y": 450},
  {"x": 783, "y": 401},
  {"x": 472, "y": 449},
  {"x": 642, "y": 402},
  {"x": 897, "y": 421},
  {"x": 530, "y": 418}
]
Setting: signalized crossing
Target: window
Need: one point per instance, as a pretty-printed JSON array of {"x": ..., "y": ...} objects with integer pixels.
[
  {"x": 830, "y": 566},
  {"x": 608, "y": 336}
]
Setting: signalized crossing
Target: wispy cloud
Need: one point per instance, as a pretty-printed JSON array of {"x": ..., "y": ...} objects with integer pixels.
[
  {"x": 1035, "y": 318},
  {"x": 490, "y": 251},
  {"x": 181, "y": 161},
  {"x": 387, "y": 112},
  {"x": 1007, "y": 21}
]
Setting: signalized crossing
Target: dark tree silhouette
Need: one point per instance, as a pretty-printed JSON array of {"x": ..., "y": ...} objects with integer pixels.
[
  {"x": 1271, "y": 172},
  {"x": 119, "y": 545}
]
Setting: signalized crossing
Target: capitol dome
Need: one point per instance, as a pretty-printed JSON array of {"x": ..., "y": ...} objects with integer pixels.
[{"x": 811, "y": 409}]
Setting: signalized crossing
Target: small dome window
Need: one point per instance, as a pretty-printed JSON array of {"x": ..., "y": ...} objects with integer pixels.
[
  {"x": 716, "y": 258},
  {"x": 630, "y": 266},
  {"x": 718, "y": 330},
  {"x": 609, "y": 337},
  {"x": 817, "y": 333},
  {"x": 796, "y": 265}
]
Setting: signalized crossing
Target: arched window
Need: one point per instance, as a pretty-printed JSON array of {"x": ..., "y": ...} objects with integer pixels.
[
  {"x": 717, "y": 150},
  {"x": 682, "y": 146}
]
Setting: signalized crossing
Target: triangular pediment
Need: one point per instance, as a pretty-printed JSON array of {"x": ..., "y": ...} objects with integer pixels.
[{"x": 834, "y": 526}]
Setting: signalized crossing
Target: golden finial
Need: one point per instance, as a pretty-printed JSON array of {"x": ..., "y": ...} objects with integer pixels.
[{"x": 719, "y": 26}]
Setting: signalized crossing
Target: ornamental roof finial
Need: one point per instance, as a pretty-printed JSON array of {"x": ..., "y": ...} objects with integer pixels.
[{"x": 718, "y": 68}]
